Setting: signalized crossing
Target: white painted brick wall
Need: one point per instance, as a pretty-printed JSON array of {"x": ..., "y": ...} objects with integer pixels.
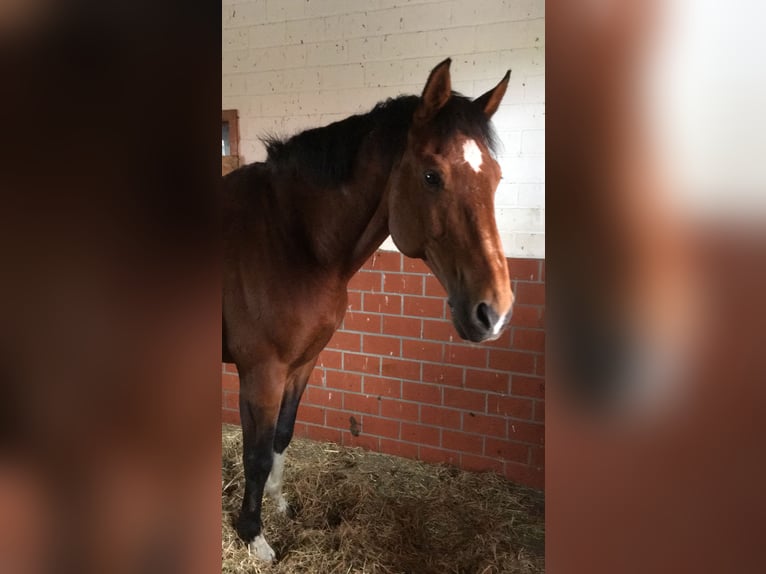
[{"x": 293, "y": 64}]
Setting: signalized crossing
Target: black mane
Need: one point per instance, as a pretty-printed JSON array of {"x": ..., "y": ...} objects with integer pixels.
[{"x": 327, "y": 155}]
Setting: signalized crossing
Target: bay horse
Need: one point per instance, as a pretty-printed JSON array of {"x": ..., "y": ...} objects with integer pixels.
[{"x": 298, "y": 226}]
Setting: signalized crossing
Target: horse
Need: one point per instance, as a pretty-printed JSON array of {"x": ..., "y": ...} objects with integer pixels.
[{"x": 298, "y": 226}]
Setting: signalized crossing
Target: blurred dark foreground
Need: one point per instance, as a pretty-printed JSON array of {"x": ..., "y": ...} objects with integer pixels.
[
  {"x": 110, "y": 297},
  {"x": 656, "y": 274}
]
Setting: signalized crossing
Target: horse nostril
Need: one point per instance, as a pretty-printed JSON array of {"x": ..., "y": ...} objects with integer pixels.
[{"x": 485, "y": 316}]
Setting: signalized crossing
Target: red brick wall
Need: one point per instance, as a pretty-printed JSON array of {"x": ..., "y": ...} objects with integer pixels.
[{"x": 399, "y": 368}]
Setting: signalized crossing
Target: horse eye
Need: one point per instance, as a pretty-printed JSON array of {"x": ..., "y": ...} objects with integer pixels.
[{"x": 432, "y": 178}]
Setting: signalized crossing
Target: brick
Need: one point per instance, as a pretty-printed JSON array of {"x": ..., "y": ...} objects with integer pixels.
[
  {"x": 418, "y": 18},
  {"x": 503, "y": 341},
  {"x": 537, "y": 455},
  {"x": 400, "y": 410},
  {"x": 243, "y": 15},
  {"x": 403, "y": 283},
  {"x": 421, "y": 393},
  {"x": 512, "y": 361},
  {"x": 230, "y": 400},
  {"x": 481, "y": 464},
  {"x": 526, "y": 316},
  {"x": 311, "y": 414},
  {"x": 539, "y": 411},
  {"x": 382, "y": 303},
  {"x": 361, "y": 363},
  {"x": 420, "y": 434},
  {"x": 423, "y": 306},
  {"x": 361, "y": 404},
  {"x": 317, "y": 376},
  {"x": 506, "y": 450},
  {"x": 386, "y": 261},
  {"x": 533, "y": 141},
  {"x": 493, "y": 381},
  {"x": 438, "y": 455},
  {"x": 230, "y": 368},
  {"x": 485, "y": 425},
  {"x": 530, "y": 293},
  {"x": 440, "y": 417},
  {"x": 524, "y": 269},
  {"x": 382, "y": 387},
  {"x": 343, "y": 340},
  {"x": 365, "y": 281},
  {"x": 462, "y": 442},
  {"x": 466, "y": 400},
  {"x": 443, "y": 374},
  {"x": 322, "y": 397},
  {"x": 344, "y": 381},
  {"x": 432, "y": 287},
  {"x": 230, "y": 417},
  {"x": 400, "y": 368},
  {"x": 380, "y": 427},
  {"x": 365, "y": 322},
  {"x": 524, "y": 474},
  {"x": 339, "y": 419},
  {"x": 466, "y": 355},
  {"x": 526, "y": 432},
  {"x": 422, "y": 350},
  {"x": 398, "y": 448},
  {"x": 381, "y": 345},
  {"x": 414, "y": 266},
  {"x": 529, "y": 340},
  {"x": 305, "y": 30},
  {"x": 326, "y": 53},
  {"x": 510, "y": 407},
  {"x": 528, "y": 386},
  {"x": 540, "y": 365},
  {"x": 230, "y": 382},
  {"x": 439, "y": 330},
  {"x": 401, "y": 326},
  {"x": 330, "y": 359},
  {"x": 324, "y": 434},
  {"x": 354, "y": 301},
  {"x": 300, "y": 430},
  {"x": 365, "y": 441}
]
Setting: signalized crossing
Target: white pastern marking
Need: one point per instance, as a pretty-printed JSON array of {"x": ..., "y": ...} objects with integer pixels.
[
  {"x": 274, "y": 482},
  {"x": 472, "y": 155},
  {"x": 261, "y": 549}
]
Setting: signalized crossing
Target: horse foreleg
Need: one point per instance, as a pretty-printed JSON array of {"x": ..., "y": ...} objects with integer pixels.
[
  {"x": 260, "y": 396},
  {"x": 284, "y": 431}
]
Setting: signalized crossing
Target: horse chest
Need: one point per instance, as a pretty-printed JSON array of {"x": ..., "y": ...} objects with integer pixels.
[{"x": 306, "y": 329}]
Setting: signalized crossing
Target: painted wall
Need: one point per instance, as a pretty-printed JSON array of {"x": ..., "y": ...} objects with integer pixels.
[{"x": 293, "y": 64}]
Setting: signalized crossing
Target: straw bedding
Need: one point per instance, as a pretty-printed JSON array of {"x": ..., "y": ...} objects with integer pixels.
[{"x": 353, "y": 511}]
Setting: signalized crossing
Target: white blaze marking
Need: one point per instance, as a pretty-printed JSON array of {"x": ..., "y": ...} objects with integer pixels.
[
  {"x": 261, "y": 549},
  {"x": 274, "y": 483},
  {"x": 472, "y": 155}
]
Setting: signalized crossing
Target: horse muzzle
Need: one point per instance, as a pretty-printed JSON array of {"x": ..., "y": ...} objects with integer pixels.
[{"x": 478, "y": 322}]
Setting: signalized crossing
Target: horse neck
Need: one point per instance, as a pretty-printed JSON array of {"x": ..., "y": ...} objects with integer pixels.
[{"x": 351, "y": 221}]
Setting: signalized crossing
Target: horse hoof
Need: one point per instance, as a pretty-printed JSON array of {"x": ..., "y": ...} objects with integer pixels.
[{"x": 261, "y": 549}]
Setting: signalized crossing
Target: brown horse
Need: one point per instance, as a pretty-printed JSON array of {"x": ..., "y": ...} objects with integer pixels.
[{"x": 298, "y": 227}]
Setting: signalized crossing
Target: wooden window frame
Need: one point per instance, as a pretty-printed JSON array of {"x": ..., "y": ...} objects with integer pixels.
[{"x": 232, "y": 117}]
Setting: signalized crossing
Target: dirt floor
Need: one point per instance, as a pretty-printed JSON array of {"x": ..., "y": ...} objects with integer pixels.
[{"x": 354, "y": 511}]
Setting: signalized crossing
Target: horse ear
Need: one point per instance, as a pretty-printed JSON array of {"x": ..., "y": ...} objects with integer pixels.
[
  {"x": 490, "y": 101},
  {"x": 436, "y": 93}
]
